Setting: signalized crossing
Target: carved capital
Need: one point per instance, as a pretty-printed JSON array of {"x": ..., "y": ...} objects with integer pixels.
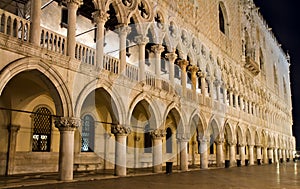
[
  {"x": 157, "y": 49},
  {"x": 141, "y": 40},
  {"x": 123, "y": 29},
  {"x": 201, "y": 74},
  {"x": 100, "y": 16},
  {"x": 193, "y": 68},
  {"x": 67, "y": 123},
  {"x": 120, "y": 130},
  {"x": 171, "y": 57},
  {"x": 203, "y": 139},
  {"x": 183, "y": 64},
  {"x": 220, "y": 141},
  {"x": 158, "y": 133},
  {"x": 13, "y": 128},
  {"x": 183, "y": 137}
]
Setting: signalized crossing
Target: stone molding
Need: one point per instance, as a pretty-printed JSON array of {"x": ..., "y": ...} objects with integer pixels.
[
  {"x": 67, "y": 123},
  {"x": 158, "y": 133},
  {"x": 120, "y": 130}
]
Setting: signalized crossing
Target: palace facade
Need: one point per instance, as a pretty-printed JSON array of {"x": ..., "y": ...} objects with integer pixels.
[{"x": 118, "y": 84}]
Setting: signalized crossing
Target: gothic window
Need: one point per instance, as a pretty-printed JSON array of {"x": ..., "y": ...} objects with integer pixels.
[
  {"x": 64, "y": 17},
  {"x": 87, "y": 134},
  {"x": 159, "y": 20},
  {"x": 169, "y": 141},
  {"x": 211, "y": 149},
  {"x": 144, "y": 10},
  {"x": 41, "y": 137},
  {"x": 223, "y": 21},
  {"x": 147, "y": 140}
]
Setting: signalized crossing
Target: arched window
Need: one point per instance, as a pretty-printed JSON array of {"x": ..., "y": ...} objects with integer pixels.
[
  {"x": 169, "y": 141},
  {"x": 223, "y": 21},
  {"x": 87, "y": 134},
  {"x": 211, "y": 142},
  {"x": 41, "y": 137},
  {"x": 147, "y": 140}
]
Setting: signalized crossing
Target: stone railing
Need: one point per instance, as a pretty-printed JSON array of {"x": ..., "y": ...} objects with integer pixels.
[
  {"x": 132, "y": 72},
  {"x": 111, "y": 64},
  {"x": 165, "y": 85},
  {"x": 53, "y": 41},
  {"x": 150, "y": 79},
  {"x": 85, "y": 54},
  {"x": 14, "y": 25}
]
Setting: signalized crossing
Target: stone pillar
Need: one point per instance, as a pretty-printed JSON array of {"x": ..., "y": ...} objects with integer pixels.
[
  {"x": 123, "y": 30},
  {"x": 157, "y": 49},
  {"x": 225, "y": 95},
  {"x": 142, "y": 41},
  {"x": 217, "y": 84},
  {"x": 280, "y": 154},
  {"x": 13, "y": 131},
  {"x": 270, "y": 155},
  {"x": 203, "y": 153},
  {"x": 66, "y": 126},
  {"x": 232, "y": 156},
  {"x": 100, "y": 17},
  {"x": 120, "y": 133},
  {"x": 251, "y": 154},
  {"x": 283, "y": 155},
  {"x": 35, "y": 24},
  {"x": 157, "y": 136},
  {"x": 265, "y": 155},
  {"x": 231, "y": 98},
  {"x": 194, "y": 69},
  {"x": 219, "y": 154},
  {"x": 242, "y": 153},
  {"x": 258, "y": 154},
  {"x": 183, "y": 154},
  {"x": 236, "y": 100},
  {"x": 183, "y": 64},
  {"x": 203, "y": 84},
  {"x": 171, "y": 58},
  {"x": 242, "y": 103},
  {"x": 275, "y": 155},
  {"x": 71, "y": 40}
]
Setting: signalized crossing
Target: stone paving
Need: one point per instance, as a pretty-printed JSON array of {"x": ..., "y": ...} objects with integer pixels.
[{"x": 284, "y": 175}]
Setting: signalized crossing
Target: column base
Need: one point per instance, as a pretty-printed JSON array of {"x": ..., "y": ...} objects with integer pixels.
[{"x": 258, "y": 161}]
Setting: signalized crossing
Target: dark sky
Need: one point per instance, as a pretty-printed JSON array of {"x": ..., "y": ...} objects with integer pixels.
[{"x": 283, "y": 17}]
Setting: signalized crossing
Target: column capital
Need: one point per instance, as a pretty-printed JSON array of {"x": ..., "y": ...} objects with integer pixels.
[
  {"x": 157, "y": 48},
  {"x": 193, "y": 68},
  {"x": 220, "y": 141},
  {"x": 123, "y": 29},
  {"x": 13, "y": 128},
  {"x": 120, "y": 130},
  {"x": 231, "y": 143},
  {"x": 201, "y": 74},
  {"x": 172, "y": 56},
  {"x": 217, "y": 83},
  {"x": 76, "y": 2},
  {"x": 158, "y": 133},
  {"x": 203, "y": 139},
  {"x": 67, "y": 123},
  {"x": 141, "y": 40},
  {"x": 241, "y": 145},
  {"x": 183, "y": 137},
  {"x": 183, "y": 64},
  {"x": 100, "y": 16}
]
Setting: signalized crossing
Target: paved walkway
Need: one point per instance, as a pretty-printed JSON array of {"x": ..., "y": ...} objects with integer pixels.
[{"x": 285, "y": 175}]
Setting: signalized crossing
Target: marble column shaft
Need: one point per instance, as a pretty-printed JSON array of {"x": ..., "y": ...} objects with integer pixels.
[
  {"x": 157, "y": 136},
  {"x": 13, "y": 131},
  {"x": 35, "y": 17}
]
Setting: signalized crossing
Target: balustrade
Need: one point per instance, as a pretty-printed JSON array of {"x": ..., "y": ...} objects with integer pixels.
[
  {"x": 132, "y": 72},
  {"x": 111, "y": 64},
  {"x": 53, "y": 41},
  {"x": 150, "y": 79},
  {"x": 14, "y": 25}
]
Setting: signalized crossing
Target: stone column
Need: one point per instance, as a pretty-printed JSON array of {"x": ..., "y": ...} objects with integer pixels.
[
  {"x": 219, "y": 154},
  {"x": 251, "y": 154},
  {"x": 35, "y": 24},
  {"x": 123, "y": 30},
  {"x": 194, "y": 69},
  {"x": 100, "y": 17},
  {"x": 280, "y": 155},
  {"x": 217, "y": 84},
  {"x": 142, "y": 41},
  {"x": 232, "y": 156},
  {"x": 71, "y": 40},
  {"x": 236, "y": 99},
  {"x": 183, "y": 64},
  {"x": 120, "y": 133},
  {"x": 171, "y": 57},
  {"x": 265, "y": 155},
  {"x": 183, "y": 154},
  {"x": 157, "y": 136},
  {"x": 242, "y": 153},
  {"x": 242, "y": 103},
  {"x": 275, "y": 155},
  {"x": 225, "y": 95},
  {"x": 270, "y": 154},
  {"x": 158, "y": 49},
  {"x": 66, "y": 126},
  {"x": 13, "y": 131},
  {"x": 283, "y": 154},
  {"x": 230, "y": 98},
  {"x": 203, "y": 84},
  {"x": 203, "y": 153},
  {"x": 258, "y": 154}
]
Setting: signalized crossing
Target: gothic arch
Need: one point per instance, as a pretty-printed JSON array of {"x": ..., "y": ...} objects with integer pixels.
[{"x": 29, "y": 64}]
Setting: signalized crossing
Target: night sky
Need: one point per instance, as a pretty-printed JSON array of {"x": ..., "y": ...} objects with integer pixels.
[{"x": 283, "y": 17}]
